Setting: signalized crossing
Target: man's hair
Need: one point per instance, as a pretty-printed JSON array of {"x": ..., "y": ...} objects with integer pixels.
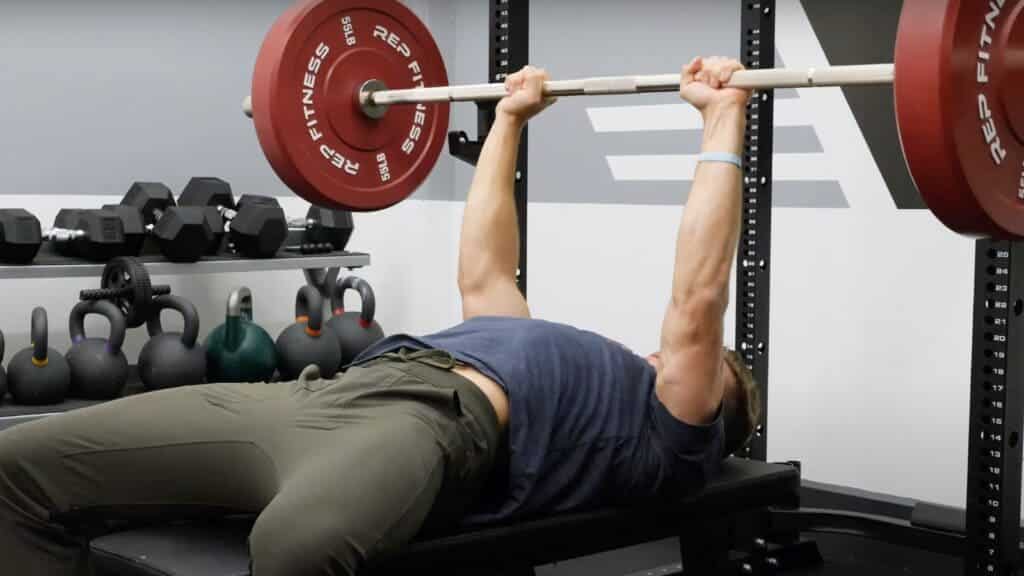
[{"x": 742, "y": 408}]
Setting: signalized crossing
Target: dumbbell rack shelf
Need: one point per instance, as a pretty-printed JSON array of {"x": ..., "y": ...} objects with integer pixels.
[{"x": 51, "y": 265}]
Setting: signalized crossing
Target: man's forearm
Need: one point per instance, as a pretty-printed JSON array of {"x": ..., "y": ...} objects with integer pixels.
[
  {"x": 709, "y": 232},
  {"x": 489, "y": 247}
]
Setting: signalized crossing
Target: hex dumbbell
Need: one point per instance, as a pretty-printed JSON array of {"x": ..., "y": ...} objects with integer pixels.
[
  {"x": 96, "y": 235},
  {"x": 254, "y": 229},
  {"x": 183, "y": 233}
]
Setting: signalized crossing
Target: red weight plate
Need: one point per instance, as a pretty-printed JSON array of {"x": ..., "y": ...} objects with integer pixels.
[
  {"x": 306, "y": 106},
  {"x": 958, "y": 72}
]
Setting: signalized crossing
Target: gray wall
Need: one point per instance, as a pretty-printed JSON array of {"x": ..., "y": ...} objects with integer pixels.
[{"x": 98, "y": 94}]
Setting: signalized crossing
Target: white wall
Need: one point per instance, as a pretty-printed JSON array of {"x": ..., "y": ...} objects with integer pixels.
[{"x": 870, "y": 308}]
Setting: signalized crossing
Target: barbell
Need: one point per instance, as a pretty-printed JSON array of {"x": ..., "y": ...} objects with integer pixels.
[{"x": 350, "y": 103}]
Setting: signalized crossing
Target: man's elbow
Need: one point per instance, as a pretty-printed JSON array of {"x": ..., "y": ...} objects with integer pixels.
[
  {"x": 474, "y": 283},
  {"x": 698, "y": 307}
]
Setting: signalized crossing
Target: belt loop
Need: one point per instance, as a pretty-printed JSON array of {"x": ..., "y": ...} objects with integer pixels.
[{"x": 435, "y": 358}]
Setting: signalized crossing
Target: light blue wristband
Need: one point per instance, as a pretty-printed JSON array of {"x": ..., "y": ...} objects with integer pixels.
[{"x": 724, "y": 157}]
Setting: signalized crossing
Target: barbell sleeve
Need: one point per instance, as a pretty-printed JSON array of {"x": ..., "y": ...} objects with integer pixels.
[{"x": 861, "y": 75}]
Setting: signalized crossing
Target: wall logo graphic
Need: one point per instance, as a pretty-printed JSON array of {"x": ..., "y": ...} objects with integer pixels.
[{"x": 821, "y": 157}]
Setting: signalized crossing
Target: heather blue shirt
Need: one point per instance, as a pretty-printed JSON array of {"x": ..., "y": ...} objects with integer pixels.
[{"x": 585, "y": 427}]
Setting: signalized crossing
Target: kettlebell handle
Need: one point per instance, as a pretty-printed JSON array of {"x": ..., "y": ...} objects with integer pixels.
[
  {"x": 40, "y": 337},
  {"x": 309, "y": 309},
  {"x": 240, "y": 304},
  {"x": 369, "y": 301},
  {"x": 105, "y": 308},
  {"x": 187, "y": 310}
]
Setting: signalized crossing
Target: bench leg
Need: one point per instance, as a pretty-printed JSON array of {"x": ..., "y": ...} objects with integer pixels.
[{"x": 704, "y": 547}]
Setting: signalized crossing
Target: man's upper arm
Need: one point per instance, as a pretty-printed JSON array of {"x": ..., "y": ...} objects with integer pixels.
[
  {"x": 689, "y": 381},
  {"x": 500, "y": 298}
]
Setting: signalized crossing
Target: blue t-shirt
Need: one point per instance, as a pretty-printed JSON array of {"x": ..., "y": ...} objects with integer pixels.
[{"x": 585, "y": 427}]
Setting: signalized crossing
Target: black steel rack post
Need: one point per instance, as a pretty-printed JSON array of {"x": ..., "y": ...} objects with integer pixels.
[
  {"x": 754, "y": 258},
  {"x": 509, "y": 50},
  {"x": 997, "y": 411}
]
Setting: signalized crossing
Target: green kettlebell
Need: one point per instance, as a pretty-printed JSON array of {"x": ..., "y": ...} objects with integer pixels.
[{"x": 239, "y": 350}]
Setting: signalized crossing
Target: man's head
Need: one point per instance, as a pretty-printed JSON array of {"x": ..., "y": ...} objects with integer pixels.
[
  {"x": 741, "y": 403},
  {"x": 741, "y": 400}
]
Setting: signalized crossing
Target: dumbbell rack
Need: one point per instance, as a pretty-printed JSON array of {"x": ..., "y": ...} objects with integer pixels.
[
  {"x": 318, "y": 269},
  {"x": 48, "y": 264}
]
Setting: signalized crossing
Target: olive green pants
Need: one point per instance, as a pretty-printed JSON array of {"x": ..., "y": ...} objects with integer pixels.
[{"x": 339, "y": 471}]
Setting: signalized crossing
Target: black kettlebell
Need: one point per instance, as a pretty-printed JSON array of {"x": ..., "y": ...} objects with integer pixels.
[
  {"x": 99, "y": 369},
  {"x": 305, "y": 343},
  {"x": 3, "y": 374},
  {"x": 38, "y": 375},
  {"x": 171, "y": 359},
  {"x": 356, "y": 331}
]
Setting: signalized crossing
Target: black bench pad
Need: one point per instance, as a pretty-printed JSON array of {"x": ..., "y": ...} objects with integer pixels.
[{"x": 220, "y": 549}]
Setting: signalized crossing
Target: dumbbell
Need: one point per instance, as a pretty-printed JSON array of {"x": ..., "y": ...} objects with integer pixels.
[
  {"x": 20, "y": 236},
  {"x": 96, "y": 235},
  {"x": 254, "y": 228},
  {"x": 323, "y": 226},
  {"x": 183, "y": 233}
]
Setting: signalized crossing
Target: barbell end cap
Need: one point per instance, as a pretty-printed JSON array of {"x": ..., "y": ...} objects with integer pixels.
[
  {"x": 247, "y": 106},
  {"x": 366, "y": 101}
]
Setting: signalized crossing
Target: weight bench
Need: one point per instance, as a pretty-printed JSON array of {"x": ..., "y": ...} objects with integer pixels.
[{"x": 701, "y": 522}]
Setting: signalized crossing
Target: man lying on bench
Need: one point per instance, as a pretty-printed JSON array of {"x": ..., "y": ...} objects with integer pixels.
[{"x": 499, "y": 418}]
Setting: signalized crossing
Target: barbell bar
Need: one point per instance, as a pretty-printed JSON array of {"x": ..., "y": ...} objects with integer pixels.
[
  {"x": 350, "y": 102},
  {"x": 763, "y": 79}
]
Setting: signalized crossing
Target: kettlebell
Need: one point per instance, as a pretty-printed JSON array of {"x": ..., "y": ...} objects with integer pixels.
[
  {"x": 171, "y": 359},
  {"x": 3, "y": 374},
  {"x": 239, "y": 350},
  {"x": 305, "y": 343},
  {"x": 356, "y": 331},
  {"x": 38, "y": 375},
  {"x": 99, "y": 369}
]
